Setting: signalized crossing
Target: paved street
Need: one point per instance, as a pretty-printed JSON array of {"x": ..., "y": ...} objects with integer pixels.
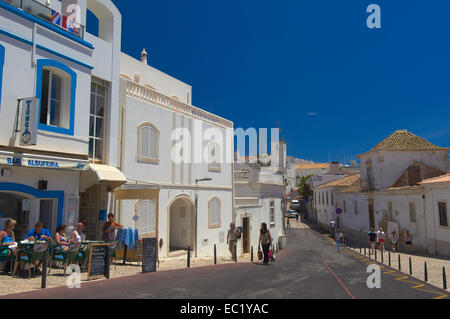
[{"x": 309, "y": 268}]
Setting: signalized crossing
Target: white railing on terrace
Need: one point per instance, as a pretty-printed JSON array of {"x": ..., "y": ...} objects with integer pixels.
[{"x": 151, "y": 96}]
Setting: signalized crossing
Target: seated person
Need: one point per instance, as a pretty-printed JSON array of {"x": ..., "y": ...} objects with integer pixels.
[
  {"x": 61, "y": 238},
  {"x": 39, "y": 233},
  {"x": 77, "y": 236},
  {"x": 7, "y": 238}
]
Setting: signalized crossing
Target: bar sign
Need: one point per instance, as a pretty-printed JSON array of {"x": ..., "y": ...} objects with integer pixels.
[{"x": 28, "y": 123}]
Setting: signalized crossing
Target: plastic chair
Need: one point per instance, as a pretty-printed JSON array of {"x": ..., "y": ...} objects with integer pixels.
[
  {"x": 6, "y": 254},
  {"x": 31, "y": 254}
]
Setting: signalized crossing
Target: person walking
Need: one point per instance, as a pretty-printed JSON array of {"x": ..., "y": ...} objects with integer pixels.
[
  {"x": 296, "y": 218},
  {"x": 381, "y": 236},
  {"x": 408, "y": 241},
  {"x": 339, "y": 240},
  {"x": 394, "y": 241},
  {"x": 288, "y": 223},
  {"x": 232, "y": 237},
  {"x": 265, "y": 240},
  {"x": 372, "y": 240},
  {"x": 332, "y": 225}
]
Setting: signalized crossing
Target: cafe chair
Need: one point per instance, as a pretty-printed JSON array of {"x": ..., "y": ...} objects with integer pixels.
[
  {"x": 6, "y": 254},
  {"x": 113, "y": 246},
  {"x": 30, "y": 255},
  {"x": 138, "y": 252}
]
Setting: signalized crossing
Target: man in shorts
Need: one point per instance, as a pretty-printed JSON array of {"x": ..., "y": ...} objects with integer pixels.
[{"x": 372, "y": 239}]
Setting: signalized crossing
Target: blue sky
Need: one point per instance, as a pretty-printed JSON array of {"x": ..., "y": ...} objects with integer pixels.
[{"x": 335, "y": 85}]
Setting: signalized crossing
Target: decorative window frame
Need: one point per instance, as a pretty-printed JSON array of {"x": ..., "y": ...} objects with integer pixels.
[
  {"x": 43, "y": 63},
  {"x": 137, "y": 225},
  {"x": 2, "y": 62},
  {"x": 272, "y": 213},
  {"x": 415, "y": 212},
  {"x": 439, "y": 215},
  {"x": 211, "y": 226},
  {"x": 143, "y": 159}
]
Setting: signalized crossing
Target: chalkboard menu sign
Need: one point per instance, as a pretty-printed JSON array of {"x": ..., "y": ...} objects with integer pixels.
[
  {"x": 149, "y": 255},
  {"x": 98, "y": 261}
]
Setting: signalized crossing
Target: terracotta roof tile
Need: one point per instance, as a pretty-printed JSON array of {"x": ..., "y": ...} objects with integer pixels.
[
  {"x": 440, "y": 179},
  {"x": 312, "y": 166},
  {"x": 344, "y": 182}
]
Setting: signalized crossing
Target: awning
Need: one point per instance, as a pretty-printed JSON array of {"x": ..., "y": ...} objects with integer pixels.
[{"x": 101, "y": 174}]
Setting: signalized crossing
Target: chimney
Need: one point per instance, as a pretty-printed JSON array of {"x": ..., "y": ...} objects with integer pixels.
[{"x": 144, "y": 56}]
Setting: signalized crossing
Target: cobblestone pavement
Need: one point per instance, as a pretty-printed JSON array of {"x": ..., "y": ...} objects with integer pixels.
[
  {"x": 20, "y": 283},
  {"x": 434, "y": 265}
]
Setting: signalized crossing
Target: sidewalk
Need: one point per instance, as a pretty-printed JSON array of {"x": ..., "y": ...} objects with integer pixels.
[{"x": 18, "y": 284}]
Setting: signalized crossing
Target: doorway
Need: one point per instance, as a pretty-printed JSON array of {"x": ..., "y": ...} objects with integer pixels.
[
  {"x": 18, "y": 208},
  {"x": 246, "y": 235},
  {"x": 181, "y": 225},
  {"x": 371, "y": 215},
  {"x": 46, "y": 214}
]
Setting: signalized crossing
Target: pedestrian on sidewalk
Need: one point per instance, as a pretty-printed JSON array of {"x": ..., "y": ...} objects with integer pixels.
[
  {"x": 381, "y": 236},
  {"x": 265, "y": 240},
  {"x": 408, "y": 241},
  {"x": 394, "y": 241},
  {"x": 232, "y": 237},
  {"x": 372, "y": 240},
  {"x": 332, "y": 225},
  {"x": 296, "y": 218},
  {"x": 288, "y": 223},
  {"x": 339, "y": 240}
]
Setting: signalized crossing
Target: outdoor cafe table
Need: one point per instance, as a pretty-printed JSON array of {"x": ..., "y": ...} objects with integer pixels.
[{"x": 127, "y": 237}]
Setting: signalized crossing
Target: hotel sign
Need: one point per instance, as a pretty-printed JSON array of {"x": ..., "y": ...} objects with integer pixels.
[{"x": 28, "y": 123}]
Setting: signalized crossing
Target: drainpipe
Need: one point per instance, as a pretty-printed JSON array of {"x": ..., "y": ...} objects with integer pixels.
[{"x": 434, "y": 222}]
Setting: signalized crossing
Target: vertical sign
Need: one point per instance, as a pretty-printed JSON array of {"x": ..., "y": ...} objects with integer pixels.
[
  {"x": 28, "y": 123},
  {"x": 148, "y": 255}
]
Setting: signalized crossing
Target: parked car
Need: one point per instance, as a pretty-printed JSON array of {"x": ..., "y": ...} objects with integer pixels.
[{"x": 291, "y": 214}]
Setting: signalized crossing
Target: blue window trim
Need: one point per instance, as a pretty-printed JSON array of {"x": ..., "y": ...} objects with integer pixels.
[
  {"x": 41, "y": 63},
  {"x": 28, "y": 190},
  {"x": 2, "y": 62},
  {"x": 46, "y": 24}
]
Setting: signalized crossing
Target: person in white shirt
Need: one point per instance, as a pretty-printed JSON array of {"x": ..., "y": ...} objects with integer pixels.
[
  {"x": 381, "y": 237},
  {"x": 332, "y": 225}
]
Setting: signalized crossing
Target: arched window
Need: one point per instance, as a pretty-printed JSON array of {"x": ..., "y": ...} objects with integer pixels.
[
  {"x": 56, "y": 88},
  {"x": 272, "y": 213},
  {"x": 2, "y": 61},
  {"x": 146, "y": 217},
  {"x": 215, "y": 156},
  {"x": 148, "y": 143},
  {"x": 214, "y": 213}
]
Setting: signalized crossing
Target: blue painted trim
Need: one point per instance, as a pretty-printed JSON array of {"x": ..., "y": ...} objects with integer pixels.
[
  {"x": 41, "y": 63},
  {"x": 46, "y": 24},
  {"x": 2, "y": 62},
  {"x": 25, "y": 189},
  {"x": 18, "y": 38}
]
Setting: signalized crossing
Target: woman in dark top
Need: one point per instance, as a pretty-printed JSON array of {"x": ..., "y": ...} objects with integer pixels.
[
  {"x": 265, "y": 241},
  {"x": 109, "y": 229}
]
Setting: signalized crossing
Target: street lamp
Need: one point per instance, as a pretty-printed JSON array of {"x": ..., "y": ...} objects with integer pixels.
[{"x": 196, "y": 208}]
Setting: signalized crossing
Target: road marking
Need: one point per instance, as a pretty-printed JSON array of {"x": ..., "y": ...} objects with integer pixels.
[
  {"x": 401, "y": 278},
  {"x": 419, "y": 286},
  {"x": 441, "y": 297}
]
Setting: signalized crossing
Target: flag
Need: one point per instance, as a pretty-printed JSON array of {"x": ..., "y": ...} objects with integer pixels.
[{"x": 63, "y": 22}]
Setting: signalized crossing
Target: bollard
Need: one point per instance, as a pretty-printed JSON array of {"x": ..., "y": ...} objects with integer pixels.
[
  {"x": 389, "y": 258},
  {"x": 410, "y": 266},
  {"x": 426, "y": 271},
  {"x": 215, "y": 254},
  {"x": 235, "y": 253},
  {"x": 359, "y": 249},
  {"x": 382, "y": 257},
  {"x": 375, "y": 253},
  {"x": 399, "y": 263},
  {"x": 444, "y": 278},
  {"x": 251, "y": 258},
  {"x": 364, "y": 251},
  {"x": 44, "y": 271},
  {"x": 370, "y": 251},
  {"x": 189, "y": 257}
]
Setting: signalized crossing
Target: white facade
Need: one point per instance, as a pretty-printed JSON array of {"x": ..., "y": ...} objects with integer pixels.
[
  {"x": 40, "y": 59},
  {"x": 154, "y": 103}
]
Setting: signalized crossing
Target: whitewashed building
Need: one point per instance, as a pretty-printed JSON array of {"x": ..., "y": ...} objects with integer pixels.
[
  {"x": 402, "y": 187},
  {"x": 163, "y": 198},
  {"x": 259, "y": 194},
  {"x": 58, "y": 114}
]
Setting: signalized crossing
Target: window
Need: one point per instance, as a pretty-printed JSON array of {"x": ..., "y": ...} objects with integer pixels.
[
  {"x": 214, "y": 213},
  {"x": 2, "y": 61},
  {"x": 148, "y": 143},
  {"x": 97, "y": 120},
  {"x": 345, "y": 206},
  {"x": 443, "y": 220},
  {"x": 272, "y": 213},
  {"x": 327, "y": 198},
  {"x": 356, "y": 207},
  {"x": 214, "y": 158},
  {"x": 146, "y": 213},
  {"x": 412, "y": 212},
  {"x": 332, "y": 199},
  {"x": 56, "y": 87}
]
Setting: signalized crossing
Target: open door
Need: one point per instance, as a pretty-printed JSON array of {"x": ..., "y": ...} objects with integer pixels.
[{"x": 246, "y": 235}]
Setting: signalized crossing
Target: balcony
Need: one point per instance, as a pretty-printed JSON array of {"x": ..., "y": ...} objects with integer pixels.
[{"x": 45, "y": 14}]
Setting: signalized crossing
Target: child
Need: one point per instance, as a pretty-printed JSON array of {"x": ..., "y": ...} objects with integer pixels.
[{"x": 339, "y": 240}]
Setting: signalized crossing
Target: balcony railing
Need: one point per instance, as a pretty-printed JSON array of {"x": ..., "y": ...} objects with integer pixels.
[
  {"x": 42, "y": 12},
  {"x": 151, "y": 96}
]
